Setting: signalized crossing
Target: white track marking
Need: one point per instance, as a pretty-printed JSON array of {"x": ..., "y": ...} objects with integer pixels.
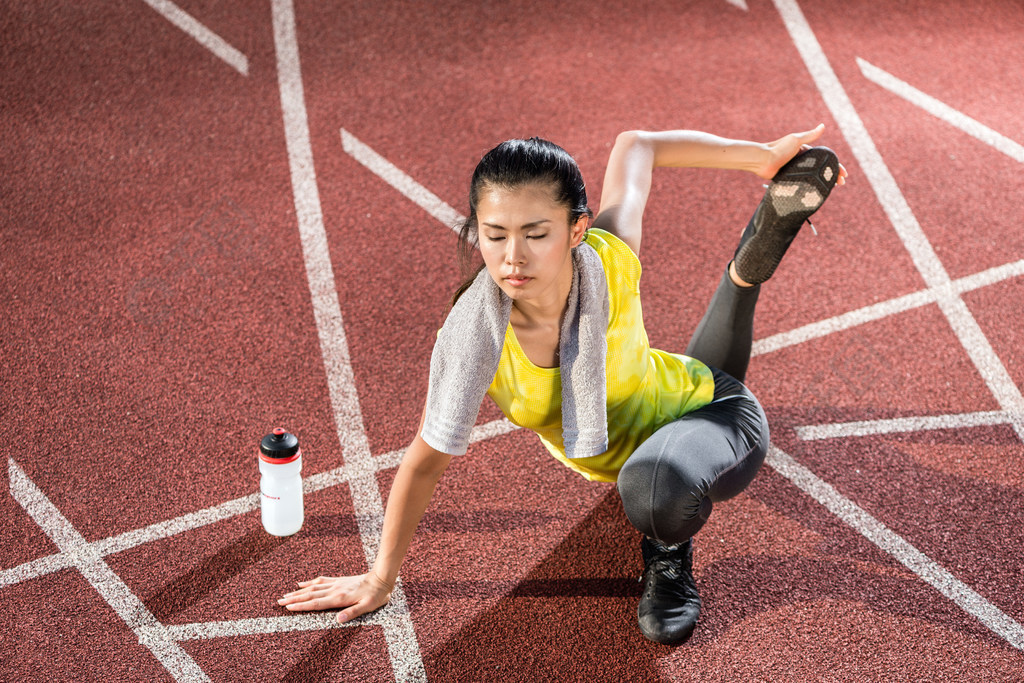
[
  {"x": 966, "y": 328},
  {"x": 398, "y": 179},
  {"x": 884, "y": 309},
  {"x": 204, "y": 36},
  {"x": 942, "y": 111},
  {"x": 403, "y": 648},
  {"x": 192, "y": 520},
  {"x": 742, "y": 4},
  {"x": 136, "y": 537},
  {"x": 893, "y": 544},
  {"x": 902, "y": 424},
  {"x": 491, "y": 430},
  {"x": 989, "y": 277},
  {"x": 38, "y": 567},
  {"x": 823, "y": 328},
  {"x": 150, "y": 632},
  {"x": 313, "y": 621}
]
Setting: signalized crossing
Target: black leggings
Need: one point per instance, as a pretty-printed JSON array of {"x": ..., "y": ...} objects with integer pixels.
[{"x": 670, "y": 482}]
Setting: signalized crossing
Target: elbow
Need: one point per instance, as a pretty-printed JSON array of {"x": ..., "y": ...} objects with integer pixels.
[
  {"x": 425, "y": 461},
  {"x": 635, "y": 146},
  {"x": 629, "y": 138}
]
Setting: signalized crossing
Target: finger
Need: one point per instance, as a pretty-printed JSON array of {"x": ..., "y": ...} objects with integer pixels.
[
  {"x": 318, "y": 580},
  {"x": 303, "y": 606},
  {"x": 306, "y": 589},
  {"x": 813, "y": 134},
  {"x": 350, "y": 613},
  {"x": 311, "y": 605},
  {"x": 306, "y": 594},
  {"x": 360, "y": 608}
]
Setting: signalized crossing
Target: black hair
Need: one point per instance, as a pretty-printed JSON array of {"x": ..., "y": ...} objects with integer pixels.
[{"x": 511, "y": 165}]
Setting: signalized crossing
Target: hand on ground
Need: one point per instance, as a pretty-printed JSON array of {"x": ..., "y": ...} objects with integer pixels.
[{"x": 356, "y": 595}]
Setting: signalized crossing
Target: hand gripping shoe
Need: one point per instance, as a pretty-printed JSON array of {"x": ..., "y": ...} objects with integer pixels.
[
  {"x": 670, "y": 604},
  {"x": 798, "y": 189}
]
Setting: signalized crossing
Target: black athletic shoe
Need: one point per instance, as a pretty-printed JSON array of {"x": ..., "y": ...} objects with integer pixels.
[
  {"x": 797, "y": 191},
  {"x": 670, "y": 604}
]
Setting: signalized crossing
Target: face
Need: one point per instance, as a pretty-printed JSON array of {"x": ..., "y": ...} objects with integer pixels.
[{"x": 525, "y": 240}]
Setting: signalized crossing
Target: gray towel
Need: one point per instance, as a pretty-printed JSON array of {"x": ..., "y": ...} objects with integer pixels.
[{"x": 468, "y": 348}]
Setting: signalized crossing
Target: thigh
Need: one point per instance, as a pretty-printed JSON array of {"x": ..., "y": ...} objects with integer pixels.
[{"x": 670, "y": 482}]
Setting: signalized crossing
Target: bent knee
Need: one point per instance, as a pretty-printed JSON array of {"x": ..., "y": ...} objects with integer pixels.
[{"x": 661, "y": 501}]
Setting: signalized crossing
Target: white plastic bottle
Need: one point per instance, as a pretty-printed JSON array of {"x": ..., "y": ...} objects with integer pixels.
[{"x": 281, "y": 483}]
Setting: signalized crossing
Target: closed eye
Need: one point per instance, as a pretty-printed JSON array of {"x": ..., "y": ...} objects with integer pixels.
[{"x": 502, "y": 237}]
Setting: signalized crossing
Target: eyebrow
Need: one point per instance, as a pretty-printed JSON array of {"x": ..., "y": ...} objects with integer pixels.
[{"x": 525, "y": 226}]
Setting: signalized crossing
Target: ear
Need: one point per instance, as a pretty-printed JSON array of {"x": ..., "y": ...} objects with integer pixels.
[{"x": 578, "y": 230}]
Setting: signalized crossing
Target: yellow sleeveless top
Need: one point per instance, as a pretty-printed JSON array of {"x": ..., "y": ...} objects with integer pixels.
[{"x": 646, "y": 388}]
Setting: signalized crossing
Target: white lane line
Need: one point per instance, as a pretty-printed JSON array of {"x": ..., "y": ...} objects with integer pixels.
[
  {"x": 187, "y": 522},
  {"x": 884, "y": 309},
  {"x": 966, "y": 328},
  {"x": 902, "y": 424},
  {"x": 398, "y": 179},
  {"x": 742, "y": 4},
  {"x": 202, "y": 35},
  {"x": 313, "y": 621},
  {"x": 823, "y": 328},
  {"x": 403, "y": 647},
  {"x": 491, "y": 430},
  {"x": 893, "y": 544},
  {"x": 989, "y": 277},
  {"x": 38, "y": 567},
  {"x": 150, "y": 632},
  {"x": 942, "y": 111}
]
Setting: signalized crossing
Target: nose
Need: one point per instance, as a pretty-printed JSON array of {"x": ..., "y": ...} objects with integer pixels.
[{"x": 515, "y": 253}]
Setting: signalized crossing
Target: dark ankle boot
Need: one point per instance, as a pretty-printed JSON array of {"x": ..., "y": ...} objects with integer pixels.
[{"x": 669, "y": 605}]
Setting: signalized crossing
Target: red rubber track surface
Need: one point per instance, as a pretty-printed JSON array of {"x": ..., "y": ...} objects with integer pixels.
[{"x": 159, "y": 321}]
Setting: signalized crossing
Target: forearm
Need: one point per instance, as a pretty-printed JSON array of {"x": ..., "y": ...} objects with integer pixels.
[
  {"x": 694, "y": 149},
  {"x": 410, "y": 494}
]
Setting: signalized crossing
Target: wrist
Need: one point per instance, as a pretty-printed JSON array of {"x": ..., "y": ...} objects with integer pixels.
[{"x": 380, "y": 580}]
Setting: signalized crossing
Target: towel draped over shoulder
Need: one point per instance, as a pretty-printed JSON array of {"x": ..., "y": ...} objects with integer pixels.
[{"x": 468, "y": 348}]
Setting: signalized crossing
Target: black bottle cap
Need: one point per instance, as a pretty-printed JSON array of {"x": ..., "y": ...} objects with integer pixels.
[{"x": 279, "y": 444}]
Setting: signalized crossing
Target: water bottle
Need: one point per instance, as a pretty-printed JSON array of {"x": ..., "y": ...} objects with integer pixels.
[{"x": 280, "y": 483}]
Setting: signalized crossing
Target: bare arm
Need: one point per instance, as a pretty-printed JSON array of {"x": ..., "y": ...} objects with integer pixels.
[
  {"x": 627, "y": 180},
  {"x": 421, "y": 468},
  {"x": 418, "y": 473}
]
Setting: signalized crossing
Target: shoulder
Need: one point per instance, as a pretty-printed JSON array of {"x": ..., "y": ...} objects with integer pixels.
[{"x": 621, "y": 265}]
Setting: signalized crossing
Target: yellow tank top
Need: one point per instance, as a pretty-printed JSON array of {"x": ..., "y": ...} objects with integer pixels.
[{"x": 646, "y": 388}]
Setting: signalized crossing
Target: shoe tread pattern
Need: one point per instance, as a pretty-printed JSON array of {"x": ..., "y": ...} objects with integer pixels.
[{"x": 795, "y": 193}]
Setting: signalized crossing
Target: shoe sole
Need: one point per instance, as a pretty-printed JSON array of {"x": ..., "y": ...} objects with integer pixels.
[{"x": 795, "y": 193}]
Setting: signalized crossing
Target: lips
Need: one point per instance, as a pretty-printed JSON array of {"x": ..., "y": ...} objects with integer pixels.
[{"x": 517, "y": 280}]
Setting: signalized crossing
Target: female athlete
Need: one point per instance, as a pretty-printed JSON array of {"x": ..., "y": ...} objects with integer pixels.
[{"x": 551, "y": 328}]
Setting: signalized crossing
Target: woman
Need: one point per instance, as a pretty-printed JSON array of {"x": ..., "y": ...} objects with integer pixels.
[{"x": 551, "y": 328}]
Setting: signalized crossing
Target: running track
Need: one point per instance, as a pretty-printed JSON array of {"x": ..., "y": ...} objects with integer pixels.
[{"x": 220, "y": 217}]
